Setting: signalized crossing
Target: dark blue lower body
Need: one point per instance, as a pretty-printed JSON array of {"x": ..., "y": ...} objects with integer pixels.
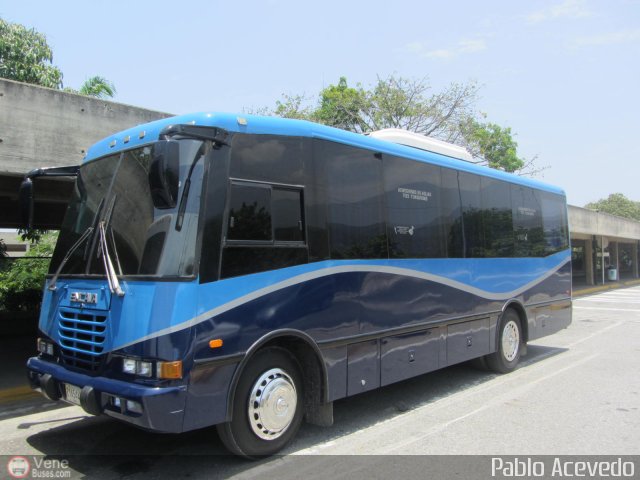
[{"x": 369, "y": 329}]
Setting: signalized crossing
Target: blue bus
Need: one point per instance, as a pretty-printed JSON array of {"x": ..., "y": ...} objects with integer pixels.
[{"x": 246, "y": 272}]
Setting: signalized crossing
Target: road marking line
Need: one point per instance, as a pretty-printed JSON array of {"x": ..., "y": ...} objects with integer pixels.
[
  {"x": 498, "y": 399},
  {"x": 607, "y": 309},
  {"x": 594, "y": 334},
  {"x": 608, "y": 300},
  {"x": 619, "y": 294}
]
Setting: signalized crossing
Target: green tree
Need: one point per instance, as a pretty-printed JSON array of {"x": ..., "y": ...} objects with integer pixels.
[
  {"x": 32, "y": 235},
  {"x": 397, "y": 102},
  {"x": 21, "y": 283},
  {"x": 494, "y": 144},
  {"x": 25, "y": 56},
  {"x": 343, "y": 107},
  {"x": 393, "y": 102},
  {"x": 96, "y": 86},
  {"x": 617, "y": 204},
  {"x": 409, "y": 104},
  {"x": 292, "y": 106}
]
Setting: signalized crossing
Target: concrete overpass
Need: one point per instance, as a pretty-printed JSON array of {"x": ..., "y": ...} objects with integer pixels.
[
  {"x": 600, "y": 243},
  {"x": 40, "y": 127}
]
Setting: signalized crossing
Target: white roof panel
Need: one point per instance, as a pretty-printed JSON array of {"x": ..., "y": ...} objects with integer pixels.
[{"x": 415, "y": 140}]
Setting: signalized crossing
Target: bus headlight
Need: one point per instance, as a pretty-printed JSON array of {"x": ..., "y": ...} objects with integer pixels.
[
  {"x": 144, "y": 369},
  {"x": 133, "y": 366},
  {"x": 129, "y": 365}
]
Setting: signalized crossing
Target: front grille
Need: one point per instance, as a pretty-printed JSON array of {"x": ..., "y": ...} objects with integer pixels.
[{"x": 82, "y": 338}]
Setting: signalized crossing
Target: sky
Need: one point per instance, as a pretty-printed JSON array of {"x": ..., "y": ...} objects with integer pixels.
[{"x": 563, "y": 74}]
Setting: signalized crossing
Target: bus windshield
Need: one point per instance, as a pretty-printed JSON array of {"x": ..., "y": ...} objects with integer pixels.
[{"x": 142, "y": 240}]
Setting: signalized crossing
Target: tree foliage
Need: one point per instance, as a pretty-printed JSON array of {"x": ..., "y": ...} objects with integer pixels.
[
  {"x": 25, "y": 56},
  {"x": 292, "y": 106},
  {"x": 493, "y": 143},
  {"x": 617, "y": 204},
  {"x": 343, "y": 107},
  {"x": 96, "y": 86},
  {"x": 22, "y": 280},
  {"x": 410, "y": 104},
  {"x": 31, "y": 235}
]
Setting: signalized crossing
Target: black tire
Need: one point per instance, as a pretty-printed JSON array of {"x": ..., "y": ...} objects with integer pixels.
[
  {"x": 272, "y": 372},
  {"x": 510, "y": 344}
]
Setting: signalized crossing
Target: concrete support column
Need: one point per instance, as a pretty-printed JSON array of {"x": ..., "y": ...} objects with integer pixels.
[
  {"x": 634, "y": 258},
  {"x": 588, "y": 261}
]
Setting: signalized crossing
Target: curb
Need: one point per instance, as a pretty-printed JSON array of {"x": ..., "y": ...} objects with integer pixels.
[
  {"x": 17, "y": 393},
  {"x": 604, "y": 288}
]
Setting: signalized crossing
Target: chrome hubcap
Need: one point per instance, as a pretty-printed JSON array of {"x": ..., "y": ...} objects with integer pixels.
[
  {"x": 510, "y": 341},
  {"x": 272, "y": 404}
]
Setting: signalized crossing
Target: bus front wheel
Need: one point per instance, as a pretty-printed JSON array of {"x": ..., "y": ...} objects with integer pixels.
[
  {"x": 267, "y": 406},
  {"x": 510, "y": 342}
]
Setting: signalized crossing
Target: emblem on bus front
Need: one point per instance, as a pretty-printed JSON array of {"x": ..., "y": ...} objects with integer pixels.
[{"x": 84, "y": 297}]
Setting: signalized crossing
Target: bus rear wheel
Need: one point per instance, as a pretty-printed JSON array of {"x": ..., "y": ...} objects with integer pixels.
[
  {"x": 510, "y": 341},
  {"x": 267, "y": 407}
]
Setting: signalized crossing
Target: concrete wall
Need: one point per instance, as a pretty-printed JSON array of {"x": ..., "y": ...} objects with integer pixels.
[
  {"x": 587, "y": 222},
  {"x": 41, "y": 127}
]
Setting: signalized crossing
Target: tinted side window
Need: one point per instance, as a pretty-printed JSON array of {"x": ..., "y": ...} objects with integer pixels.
[
  {"x": 287, "y": 215},
  {"x": 471, "y": 214},
  {"x": 268, "y": 158},
  {"x": 554, "y": 220},
  {"x": 354, "y": 194},
  {"x": 496, "y": 217},
  {"x": 451, "y": 213},
  {"x": 249, "y": 213},
  {"x": 265, "y": 230},
  {"x": 413, "y": 202},
  {"x": 527, "y": 222}
]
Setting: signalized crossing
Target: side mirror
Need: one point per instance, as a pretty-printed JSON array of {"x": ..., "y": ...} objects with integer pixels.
[
  {"x": 26, "y": 202},
  {"x": 164, "y": 173}
]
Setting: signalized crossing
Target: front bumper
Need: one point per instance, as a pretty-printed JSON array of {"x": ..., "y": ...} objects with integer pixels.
[{"x": 162, "y": 408}]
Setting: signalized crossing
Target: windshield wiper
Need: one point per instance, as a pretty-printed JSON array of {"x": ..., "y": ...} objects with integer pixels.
[
  {"x": 74, "y": 247},
  {"x": 107, "y": 227},
  {"x": 185, "y": 194},
  {"x": 94, "y": 225},
  {"x": 112, "y": 277}
]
